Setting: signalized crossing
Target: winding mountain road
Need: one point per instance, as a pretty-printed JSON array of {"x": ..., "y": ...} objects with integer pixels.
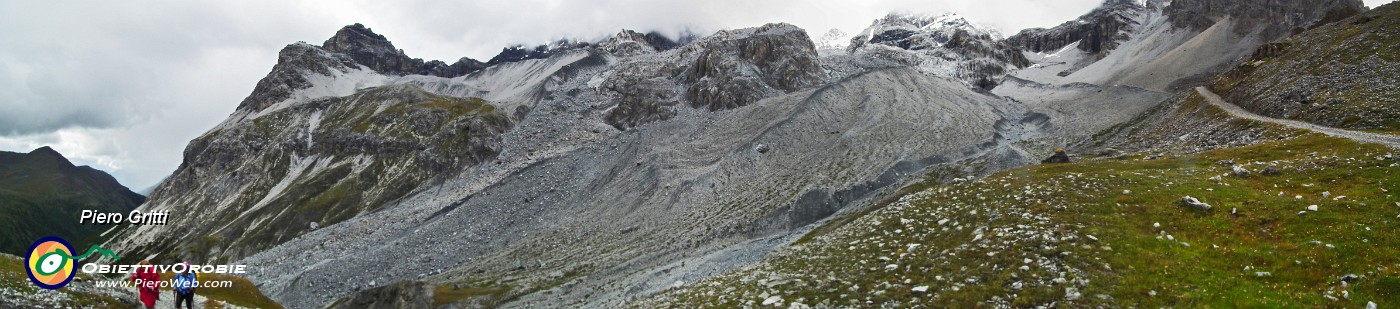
[{"x": 1234, "y": 110}]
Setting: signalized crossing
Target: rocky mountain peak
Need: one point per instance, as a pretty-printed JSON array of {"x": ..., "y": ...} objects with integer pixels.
[
  {"x": 946, "y": 45},
  {"x": 1097, "y": 33},
  {"x": 833, "y": 39},
  {"x": 358, "y": 38},
  {"x": 945, "y": 25},
  {"x": 375, "y": 51},
  {"x": 730, "y": 69},
  {"x": 518, "y": 53}
]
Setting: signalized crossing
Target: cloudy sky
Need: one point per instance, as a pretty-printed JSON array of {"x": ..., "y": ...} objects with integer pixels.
[{"x": 124, "y": 85}]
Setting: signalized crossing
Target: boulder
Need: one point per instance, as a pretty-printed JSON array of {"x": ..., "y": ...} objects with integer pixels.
[
  {"x": 1194, "y": 203},
  {"x": 1059, "y": 157},
  {"x": 1351, "y": 278},
  {"x": 1239, "y": 171}
]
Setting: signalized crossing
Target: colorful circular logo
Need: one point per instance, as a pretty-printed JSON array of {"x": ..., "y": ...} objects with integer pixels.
[{"x": 50, "y": 263}]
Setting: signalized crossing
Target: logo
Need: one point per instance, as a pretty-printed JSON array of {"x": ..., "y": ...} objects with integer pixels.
[{"x": 50, "y": 263}]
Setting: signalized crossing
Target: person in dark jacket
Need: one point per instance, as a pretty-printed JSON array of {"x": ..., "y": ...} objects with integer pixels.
[{"x": 185, "y": 284}]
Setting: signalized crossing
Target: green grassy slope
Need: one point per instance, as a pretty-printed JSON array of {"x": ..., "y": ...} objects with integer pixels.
[
  {"x": 1110, "y": 232},
  {"x": 42, "y": 194},
  {"x": 1345, "y": 74}
]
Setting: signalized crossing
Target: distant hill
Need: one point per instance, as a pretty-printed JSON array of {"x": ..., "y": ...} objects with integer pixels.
[{"x": 42, "y": 194}]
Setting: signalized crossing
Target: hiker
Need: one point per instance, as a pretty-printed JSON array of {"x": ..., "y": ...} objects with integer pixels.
[
  {"x": 147, "y": 283},
  {"x": 185, "y": 284},
  {"x": 1059, "y": 157}
]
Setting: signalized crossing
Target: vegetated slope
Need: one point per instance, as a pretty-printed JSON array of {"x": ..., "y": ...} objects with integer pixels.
[
  {"x": 17, "y": 292},
  {"x": 84, "y": 291},
  {"x": 1344, "y": 74},
  {"x": 1360, "y": 136},
  {"x": 42, "y": 194},
  {"x": 316, "y": 143},
  {"x": 1112, "y": 232}
]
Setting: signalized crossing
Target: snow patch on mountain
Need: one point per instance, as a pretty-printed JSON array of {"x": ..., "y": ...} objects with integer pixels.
[
  {"x": 337, "y": 84},
  {"x": 946, "y": 45},
  {"x": 1051, "y": 67},
  {"x": 834, "y": 39}
]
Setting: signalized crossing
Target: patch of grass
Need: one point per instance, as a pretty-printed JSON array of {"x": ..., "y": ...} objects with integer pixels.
[
  {"x": 447, "y": 294},
  {"x": 14, "y": 279},
  {"x": 243, "y": 293},
  {"x": 1068, "y": 234}
]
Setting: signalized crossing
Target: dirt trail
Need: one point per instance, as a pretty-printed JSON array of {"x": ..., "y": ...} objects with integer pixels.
[{"x": 1388, "y": 140}]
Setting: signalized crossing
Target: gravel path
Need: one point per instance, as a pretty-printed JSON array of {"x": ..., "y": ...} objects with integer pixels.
[{"x": 1385, "y": 139}]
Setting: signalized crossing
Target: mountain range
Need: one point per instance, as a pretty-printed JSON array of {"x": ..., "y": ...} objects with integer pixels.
[{"x": 762, "y": 166}]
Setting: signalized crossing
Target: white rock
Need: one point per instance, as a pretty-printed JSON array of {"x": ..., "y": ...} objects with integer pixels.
[
  {"x": 1152, "y": 293},
  {"x": 1240, "y": 171},
  {"x": 1262, "y": 274},
  {"x": 1312, "y": 208},
  {"x": 891, "y": 267},
  {"x": 1370, "y": 305},
  {"x": 773, "y": 301},
  {"x": 921, "y": 288},
  {"x": 1072, "y": 293},
  {"x": 1194, "y": 203},
  {"x": 1326, "y": 194}
]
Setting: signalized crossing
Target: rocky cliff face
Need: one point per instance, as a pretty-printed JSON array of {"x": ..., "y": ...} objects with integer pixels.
[
  {"x": 1272, "y": 18},
  {"x": 730, "y": 69},
  {"x": 1166, "y": 45},
  {"x": 324, "y": 137},
  {"x": 376, "y": 52},
  {"x": 946, "y": 45},
  {"x": 1096, "y": 33}
]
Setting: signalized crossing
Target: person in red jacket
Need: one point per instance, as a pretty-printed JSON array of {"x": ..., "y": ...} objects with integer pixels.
[{"x": 147, "y": 283}]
